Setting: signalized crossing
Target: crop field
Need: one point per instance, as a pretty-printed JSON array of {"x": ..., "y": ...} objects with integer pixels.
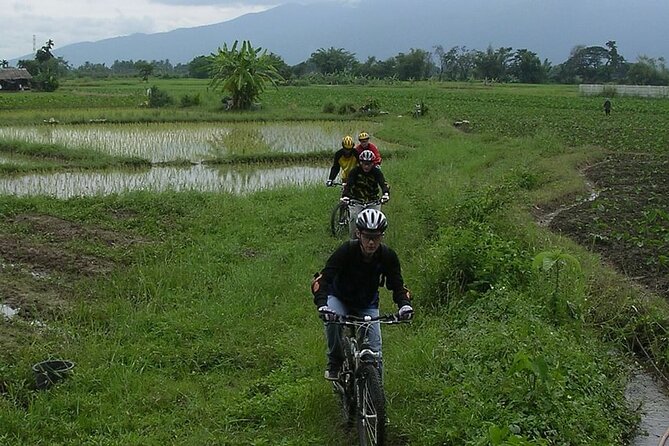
[{"x": 179, "y": 284}]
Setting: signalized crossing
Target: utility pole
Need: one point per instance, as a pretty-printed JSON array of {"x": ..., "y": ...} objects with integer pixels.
[{"x": 34, "y": 44}]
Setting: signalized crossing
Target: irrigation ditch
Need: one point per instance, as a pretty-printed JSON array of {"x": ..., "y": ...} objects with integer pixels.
[{"x": 624, "y": 218}]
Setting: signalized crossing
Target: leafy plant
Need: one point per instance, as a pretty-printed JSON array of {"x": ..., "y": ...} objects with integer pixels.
[
  {"x": 159, "y": 98},
  {"x": 566, "y": 278},
  {"x": 243, "y": 73},
  {"x": 329, "y": 107},
  {"x": 371, "y": 107},
  {"x": 190, "y": 100},
  {"x": 473, "y": 259},
  {"x": 346, "y": 108}
]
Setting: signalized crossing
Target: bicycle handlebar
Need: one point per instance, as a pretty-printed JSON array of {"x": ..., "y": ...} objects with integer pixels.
[
  {"x": 365, "y": 203},
  {"x": 349, "y": 319}
]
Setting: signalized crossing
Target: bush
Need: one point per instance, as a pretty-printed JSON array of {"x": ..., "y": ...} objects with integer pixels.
[
  {"x": 329, "y": 107},
  {"x": 345, "y": 109},
  {"x": 159, "y": 98},
  {"x": 371, "y": 107},
  {"x": 190, "y": 101},
  {"x": 473, "y": 259}
]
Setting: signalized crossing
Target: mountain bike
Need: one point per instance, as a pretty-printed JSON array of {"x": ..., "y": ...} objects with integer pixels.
[
  {"x": 341, "y": 215},
  {"x": 360, "y": 385}
]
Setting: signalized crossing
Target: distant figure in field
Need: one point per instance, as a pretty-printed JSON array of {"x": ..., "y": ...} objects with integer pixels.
[{"x": 607, "y": 106}]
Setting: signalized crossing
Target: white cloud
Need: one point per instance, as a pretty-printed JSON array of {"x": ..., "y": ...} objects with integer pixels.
[{"x": 92, "y": 20}]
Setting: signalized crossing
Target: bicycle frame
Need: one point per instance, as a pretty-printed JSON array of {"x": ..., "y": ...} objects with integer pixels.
[{"x": 360, "y": 384}]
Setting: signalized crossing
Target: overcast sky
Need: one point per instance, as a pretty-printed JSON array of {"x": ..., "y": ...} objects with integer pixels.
[{"x": 73, "y": 21}]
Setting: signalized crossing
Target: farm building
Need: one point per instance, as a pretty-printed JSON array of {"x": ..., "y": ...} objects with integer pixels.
[{"x": 13, "y": 79}]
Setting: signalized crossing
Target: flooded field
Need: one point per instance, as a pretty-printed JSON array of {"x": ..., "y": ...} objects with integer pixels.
[
  {"x": 238, "y": 180},
  {"x": 163, "y": 142}
]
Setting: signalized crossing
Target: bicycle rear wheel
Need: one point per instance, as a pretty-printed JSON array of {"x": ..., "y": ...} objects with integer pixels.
[
  {"x": 339, "y": 219},
  {"x": 371, "y": 407}
]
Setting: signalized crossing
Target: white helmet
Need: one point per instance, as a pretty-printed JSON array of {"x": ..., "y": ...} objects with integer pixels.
[
  {"x": 366, "y": 155},
  {"x": 371, "y": 220}
]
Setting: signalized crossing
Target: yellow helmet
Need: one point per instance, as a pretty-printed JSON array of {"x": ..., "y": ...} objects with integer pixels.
[
  {"x": 363, "y": 136},
  {"x": 347, "y": 142}
]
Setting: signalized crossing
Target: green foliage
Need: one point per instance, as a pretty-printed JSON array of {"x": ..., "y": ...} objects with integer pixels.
[
  {"x": 472, "y": 260},
  {"x": 243, "y": 73},
  {"x": 333, "y": 60},
  {"x": 371, "y": 107},
  {"x": 159, "y": 98},
  {"x": 190, "y": 100},
  {"x": 199, "y": 67},
  {"x": 208, "y": 315},
  {"x": 566, "y": 280},
  {"x": 346, "y": 108},
  {"x": 145, "y": 69},
  {"x": 329, "y": 107},
  {"x": 46, "y": 69}
]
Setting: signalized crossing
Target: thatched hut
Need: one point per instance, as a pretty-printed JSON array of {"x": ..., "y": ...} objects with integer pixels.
[{"x": 14, "y": 79}]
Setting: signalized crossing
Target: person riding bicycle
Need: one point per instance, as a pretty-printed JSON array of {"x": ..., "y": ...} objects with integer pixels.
[
  {"x": 363, "y": 185},
  {"x": 345, "y": 159},
  {"x": 364, "y": 144},
  {"x": 349, "y": 284}
]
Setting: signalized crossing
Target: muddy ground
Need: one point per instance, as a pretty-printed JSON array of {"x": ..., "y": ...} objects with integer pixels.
[
  {"x": 42, "y": 259},
  {"x": 626, "y": 220}
]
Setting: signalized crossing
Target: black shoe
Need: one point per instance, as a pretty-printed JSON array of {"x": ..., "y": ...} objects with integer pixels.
[{"x": 332, "y": 373}]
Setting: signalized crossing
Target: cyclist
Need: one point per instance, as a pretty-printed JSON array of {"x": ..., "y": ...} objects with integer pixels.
[
  {"x": 349, "y": 284},
  {"x": 345, "y": 159},
  {"x": 363, "y": 185},
  {"x": 363, "y": 138}
]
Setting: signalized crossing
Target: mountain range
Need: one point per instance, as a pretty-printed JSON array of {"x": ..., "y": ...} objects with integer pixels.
[{"x": 384, "y": 28}]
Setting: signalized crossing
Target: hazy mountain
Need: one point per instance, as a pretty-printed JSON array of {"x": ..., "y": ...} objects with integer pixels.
[{"x": 384, "y": 28}]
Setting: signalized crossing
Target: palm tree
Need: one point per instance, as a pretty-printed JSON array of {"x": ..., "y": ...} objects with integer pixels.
[{"x": 243, "y": 73}]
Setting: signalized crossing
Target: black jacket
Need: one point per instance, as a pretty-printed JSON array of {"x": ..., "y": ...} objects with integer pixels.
[
  {"x": 356, "y": 282},
  {"x": 364, "y": 186}
]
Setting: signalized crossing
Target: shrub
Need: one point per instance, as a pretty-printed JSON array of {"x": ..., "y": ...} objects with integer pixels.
[
  {"x": 371, "y": 107},
  {"x": 159, "y": 98},
  {"x": 473, "y": 259},
  {"x": 329, "y": 107},
  {"x": 346, "y": 108},
  {"x": 190, "y": 100}
]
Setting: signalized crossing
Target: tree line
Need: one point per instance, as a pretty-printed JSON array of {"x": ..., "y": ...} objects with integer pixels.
[{"x": 586, "y": 64}]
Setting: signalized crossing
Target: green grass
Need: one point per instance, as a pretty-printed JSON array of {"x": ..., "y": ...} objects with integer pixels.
[{"x": 206, "y": 333}]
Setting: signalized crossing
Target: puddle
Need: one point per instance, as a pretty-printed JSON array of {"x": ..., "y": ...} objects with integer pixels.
[
  {"x": 237, "y": 180},
  {"x": 7, "y": 311},
  {"x": 645, "y": 390},
  {"x": 163, "y": 142}
]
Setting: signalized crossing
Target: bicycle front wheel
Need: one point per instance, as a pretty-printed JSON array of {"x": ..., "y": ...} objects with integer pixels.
[
  {"x": 371, "y": 407},
  {"x": 339, "y": 219}
]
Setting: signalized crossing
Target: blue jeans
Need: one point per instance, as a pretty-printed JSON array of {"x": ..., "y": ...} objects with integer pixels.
[
  {"x": 333, "y": 331},
  {"x": 354, "y": 210}
]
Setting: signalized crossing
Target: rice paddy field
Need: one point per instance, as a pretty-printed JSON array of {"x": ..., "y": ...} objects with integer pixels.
[{"x": 168, "y": 254}]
